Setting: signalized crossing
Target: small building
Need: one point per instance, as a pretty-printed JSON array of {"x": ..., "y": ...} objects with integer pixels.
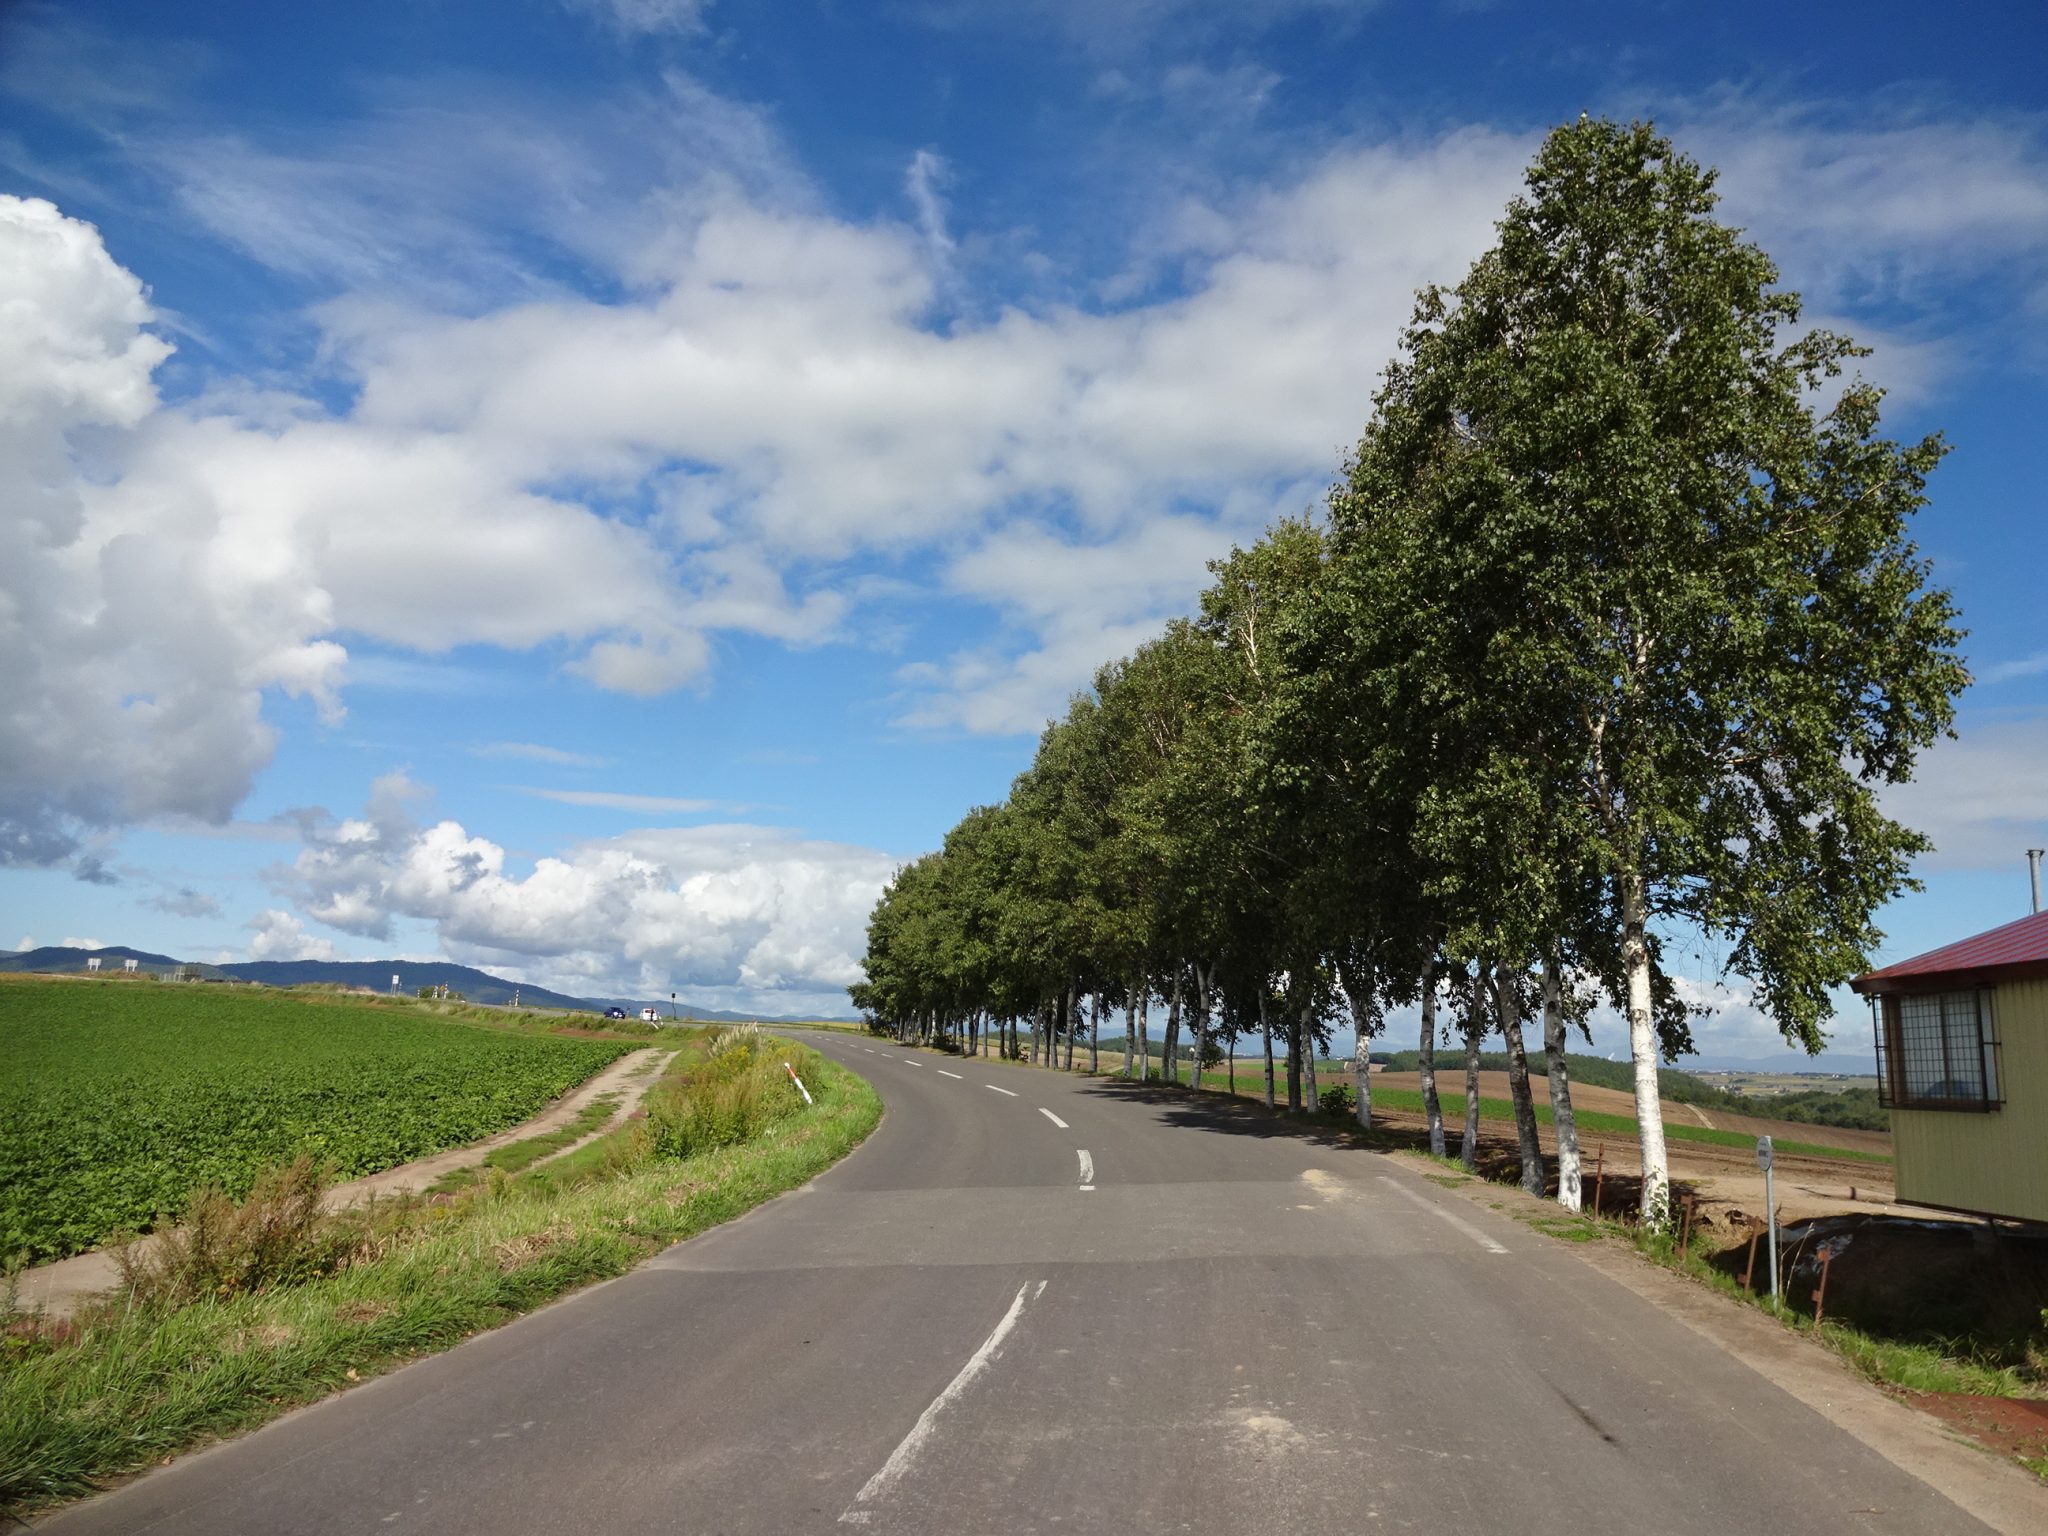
[{"x": 1962, "y": 1064}]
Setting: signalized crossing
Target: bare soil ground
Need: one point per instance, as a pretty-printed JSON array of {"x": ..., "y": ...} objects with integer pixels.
[{"x": 2011, "y": 1426}]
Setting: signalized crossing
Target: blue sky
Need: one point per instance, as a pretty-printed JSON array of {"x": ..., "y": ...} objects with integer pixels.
[{"x": 583, "y": 487}]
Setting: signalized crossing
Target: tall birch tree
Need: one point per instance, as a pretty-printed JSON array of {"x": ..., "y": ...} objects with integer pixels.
[{"x": 1684, "y": 524}]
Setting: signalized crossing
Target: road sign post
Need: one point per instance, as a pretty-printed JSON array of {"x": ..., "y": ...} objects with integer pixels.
[{"x": 1763, "y": 1161}]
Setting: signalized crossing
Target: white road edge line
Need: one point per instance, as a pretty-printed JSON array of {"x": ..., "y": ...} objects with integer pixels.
[
  {"x": 992, "y": 1088},
  {"x": 900, "y": 1459},
  {"x": 1434, "y": 1209},
  {"x": 912, "y": 1060},
  {"x": 953, "y": 1075},
  {"x": 1087, "y": 1171},
  {"x": 1055, "y": 1119}
]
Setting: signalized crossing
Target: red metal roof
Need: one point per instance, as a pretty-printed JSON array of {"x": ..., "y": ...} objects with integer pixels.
[{"x": 2007, "y": 953}]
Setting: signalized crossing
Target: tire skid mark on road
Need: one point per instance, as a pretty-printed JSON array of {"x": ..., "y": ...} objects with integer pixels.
[{"x": 900, "y": 1459}]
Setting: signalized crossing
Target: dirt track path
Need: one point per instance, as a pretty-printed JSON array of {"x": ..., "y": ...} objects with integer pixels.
[
  {"x": 629, "y": 1077},
  {"x": 58, "y": 1288}
]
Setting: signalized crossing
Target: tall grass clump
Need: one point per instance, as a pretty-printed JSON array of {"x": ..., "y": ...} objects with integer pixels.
[
  {"x": 740, "y": 1090},
  {"x": 278, "y": 1235}
]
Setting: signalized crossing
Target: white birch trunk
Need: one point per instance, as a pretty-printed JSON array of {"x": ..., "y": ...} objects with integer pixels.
[
  {"x": 1169, "y": 1048},
  {"x": 1095, "y": 1035},
  {"x": 1266, "y": 1042},
  {"x": 1507, "y": 994},
  {"x": 1432, "y": 1105},
  {"x": 1144, "y": 1028},
  {"x": 1293, "y": 1061},
  {"x": 1359, "y": 1000},
  {"x": 1568, "y": 1176},
  {"x": 1642, "y": 1049},
  {"x": 1308, "y": 1065},
  {"x": 1475, "y": 1031}
]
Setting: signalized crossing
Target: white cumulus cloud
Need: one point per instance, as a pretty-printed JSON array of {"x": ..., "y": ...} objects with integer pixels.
[
  {"x": 744, "y": 909},
  {"x": 278, "y": 935}
]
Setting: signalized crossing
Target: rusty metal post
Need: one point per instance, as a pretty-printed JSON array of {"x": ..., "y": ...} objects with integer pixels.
[
  {"x": 1685, "y": 1230},
  {"x": 1827, "y": 1257},
  {"x": 1599, "y": 1174},
  {"x": 1756, "y": 1230}
]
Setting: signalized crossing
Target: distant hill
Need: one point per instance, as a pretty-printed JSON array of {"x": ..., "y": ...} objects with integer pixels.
[
  {"x": 57, "y": 957},
  {"x": 475, "y": 985}
]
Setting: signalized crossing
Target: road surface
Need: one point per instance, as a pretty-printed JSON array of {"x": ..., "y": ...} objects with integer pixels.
[{"x": 1035, "y": 1304}]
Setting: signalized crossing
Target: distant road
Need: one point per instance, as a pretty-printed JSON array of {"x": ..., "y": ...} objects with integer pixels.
[{"x": 1042, "y": 1304}]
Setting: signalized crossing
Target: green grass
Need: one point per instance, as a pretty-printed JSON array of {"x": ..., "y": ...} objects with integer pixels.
[
  {"x": 517, "y": 1156},
  {"x": 1922, "y": 1367},
  {"x": 118, "y": 1099},
  {"x": 130, "y": 1387}
]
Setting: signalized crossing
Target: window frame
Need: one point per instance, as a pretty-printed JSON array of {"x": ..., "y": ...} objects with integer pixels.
[{"x": 1892, "y": 1053}]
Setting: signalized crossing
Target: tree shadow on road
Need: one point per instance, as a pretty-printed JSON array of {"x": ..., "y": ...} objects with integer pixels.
[{"x": 1226, "y": 1114}]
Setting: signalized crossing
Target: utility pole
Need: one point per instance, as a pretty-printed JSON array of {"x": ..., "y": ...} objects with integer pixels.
[{"x": 2034, "y": 874}]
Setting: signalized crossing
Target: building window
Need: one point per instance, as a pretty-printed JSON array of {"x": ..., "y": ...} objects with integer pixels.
[{"x": 1938, "y": 1050}]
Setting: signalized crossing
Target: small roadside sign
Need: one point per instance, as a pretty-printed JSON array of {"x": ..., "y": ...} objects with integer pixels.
[{"x": 1763, "y": 1153}]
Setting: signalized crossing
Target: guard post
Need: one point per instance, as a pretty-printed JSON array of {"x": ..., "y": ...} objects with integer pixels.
[{"x": 1763, "y": 1161}]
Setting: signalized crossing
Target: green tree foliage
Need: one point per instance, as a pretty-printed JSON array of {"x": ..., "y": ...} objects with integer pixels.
[{"x": 1612, "y": 633}]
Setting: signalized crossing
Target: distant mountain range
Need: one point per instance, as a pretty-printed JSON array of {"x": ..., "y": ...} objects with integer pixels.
[{"x": 476, "y": 986}]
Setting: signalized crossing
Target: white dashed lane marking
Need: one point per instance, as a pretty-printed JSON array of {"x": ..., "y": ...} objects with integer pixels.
[
  {"x": 1055, "y": 1119},
  {"x": 953, "y": 1075},
  {"x": 992, "y": 1088}
]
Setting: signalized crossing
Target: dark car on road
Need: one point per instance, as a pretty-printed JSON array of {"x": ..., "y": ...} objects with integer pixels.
[{"x": 615, "y": 1013}]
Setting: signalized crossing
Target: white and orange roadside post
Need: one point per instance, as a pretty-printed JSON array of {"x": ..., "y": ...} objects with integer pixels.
[{"x": 800, "y": 1088}]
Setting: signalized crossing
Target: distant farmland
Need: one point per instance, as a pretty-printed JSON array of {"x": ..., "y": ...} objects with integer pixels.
[{"x": 117, "y": 1099}]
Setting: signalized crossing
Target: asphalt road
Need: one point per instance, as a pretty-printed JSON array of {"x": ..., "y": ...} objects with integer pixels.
[{"x": 1066, "y": 1306}]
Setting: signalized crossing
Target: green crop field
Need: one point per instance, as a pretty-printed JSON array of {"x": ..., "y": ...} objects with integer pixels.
[{"x": 118, "y": 1099}]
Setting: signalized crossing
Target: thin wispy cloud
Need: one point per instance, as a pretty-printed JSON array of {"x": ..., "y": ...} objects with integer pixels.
[
  {"x": 534, "y": 752},
  {"x": 658, "y": 805},
  {"x": 2024, "y": 666}
]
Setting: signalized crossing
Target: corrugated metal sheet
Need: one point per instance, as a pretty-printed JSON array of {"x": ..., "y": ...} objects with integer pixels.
[
  {"x": 2015, "y": 950},
  {"x": 1995, "y": 1163}
]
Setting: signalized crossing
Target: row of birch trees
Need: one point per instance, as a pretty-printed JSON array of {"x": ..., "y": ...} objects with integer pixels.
[{"x": 1609, "y": 633}]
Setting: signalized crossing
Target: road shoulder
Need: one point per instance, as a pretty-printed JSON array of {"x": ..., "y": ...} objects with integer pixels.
[{"x": 2003, "y": 1496}]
